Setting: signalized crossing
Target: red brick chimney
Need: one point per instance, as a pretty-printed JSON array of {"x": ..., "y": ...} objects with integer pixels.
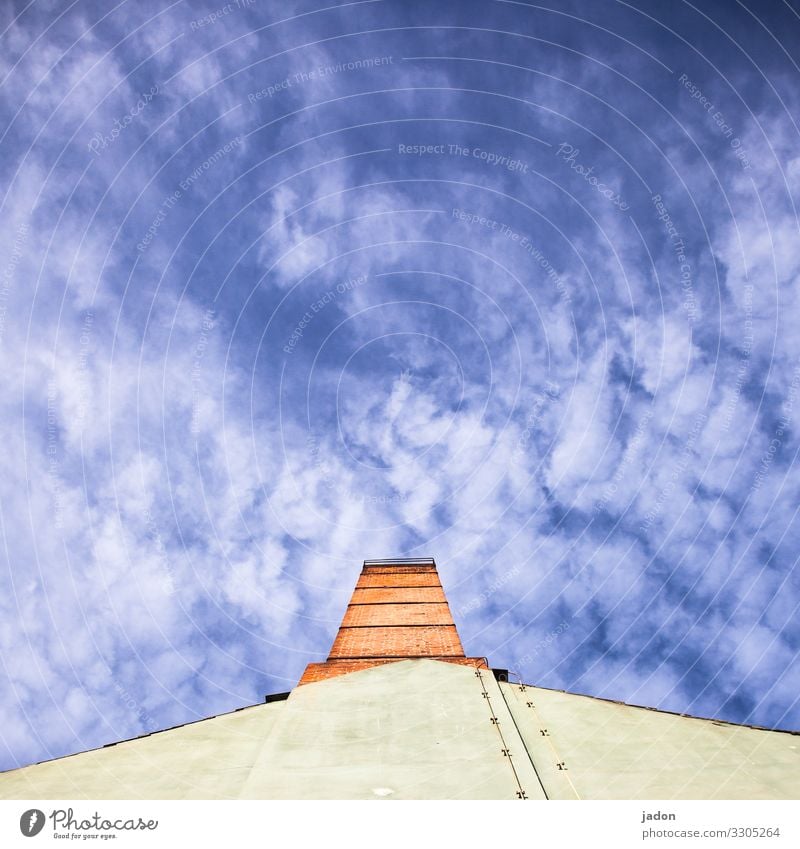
[{"x": 398, "y": 611}]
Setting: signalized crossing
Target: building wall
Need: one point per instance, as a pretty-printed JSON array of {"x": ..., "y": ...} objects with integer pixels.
[
  {"x": 427, "y": 729},
  {"x": 616, "y": 751},
  {"x": 415, "y": 729},
  {"x": 210, "y": 759},
  {"x": 405, "y": 730}
]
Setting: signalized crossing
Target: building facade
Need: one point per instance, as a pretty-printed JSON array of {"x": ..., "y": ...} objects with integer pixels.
[{"x": 398, "y": 711}]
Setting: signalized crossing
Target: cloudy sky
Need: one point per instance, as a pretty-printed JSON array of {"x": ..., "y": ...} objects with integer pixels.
[{"x": 286, "y": 286}]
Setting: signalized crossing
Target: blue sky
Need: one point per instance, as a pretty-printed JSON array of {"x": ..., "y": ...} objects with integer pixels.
[{"x": 286, "y": 287}]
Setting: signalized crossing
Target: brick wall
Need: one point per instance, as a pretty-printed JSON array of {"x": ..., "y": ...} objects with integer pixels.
[
  {"x": 409, "y": 594},
  {"x": 401, "y": 579},
  {"x": 397, "y": 641},
  {"x": 414, "y": 613}
]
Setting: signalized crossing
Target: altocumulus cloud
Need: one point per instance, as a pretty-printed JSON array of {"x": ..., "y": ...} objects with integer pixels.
[{"x": 520, "y": 296}]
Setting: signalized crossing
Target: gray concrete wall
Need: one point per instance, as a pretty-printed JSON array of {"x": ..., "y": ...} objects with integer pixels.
[
  {"x": 417, "y": 729},
  {"x": 614, "y": 751},
  {"x": 422, "y": 729},
  {"x": 205, "y": 760},
  {"x": 413, "y": 729}
]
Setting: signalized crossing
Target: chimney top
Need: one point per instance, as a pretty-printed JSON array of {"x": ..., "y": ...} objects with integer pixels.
[{"x": 401, "y": 561}]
